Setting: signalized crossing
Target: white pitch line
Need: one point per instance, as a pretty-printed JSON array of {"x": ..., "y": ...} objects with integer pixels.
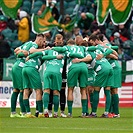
[{"x": 76, "y": 128}]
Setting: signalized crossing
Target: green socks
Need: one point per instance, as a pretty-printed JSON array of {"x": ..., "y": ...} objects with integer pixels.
[
  {"x": 40, "y": 106},
  {"x": 45, "y": 100},
  {"x": 27, "y": 105},
  {"x": 87, "y": 111},
  {"x": 56, "y": 102},
  {"x": 84, "y": 105},
  {"x": 23, "y": 110},
  {"x": 14, "y": 101},
  {"x": 115, "y": 103},
  {"x": 91, "y": 100},
  {"x": 36, "y": 107},
  {"x": 69, "y": 104},
  {"x": 108, "y": 100},
  {"x": 95, "y": 101}
]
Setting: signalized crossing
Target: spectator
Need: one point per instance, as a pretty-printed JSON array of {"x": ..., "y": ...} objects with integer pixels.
[
  {"x": 67, "y": 34},
  {"x": 84, "y": 22},
  {"x": 3, "y": 22},
  {"x": 11, "y": 25},
  {"x": 4, "y": 47},
  {"x": 109, "y": 29},
  {"x": 124, "y": 34},
  {"x": 23, "y": 27},
  {"x": 117, "y": 40},
  {"x": 76, "y": 32},
  {"x": 122, "y": 56}
]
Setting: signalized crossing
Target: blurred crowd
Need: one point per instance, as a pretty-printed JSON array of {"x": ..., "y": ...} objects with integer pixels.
[{"x": 14, "y": 33}]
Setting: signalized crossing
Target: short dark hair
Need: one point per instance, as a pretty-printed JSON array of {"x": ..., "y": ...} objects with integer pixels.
[
  {"x": 40, "y": 35},
  {"x": 101, "y": 37},
  {"x": 84, "y": 43},
  {"x": 71, "y": 41},
  {"x": 93, "y": 37}
]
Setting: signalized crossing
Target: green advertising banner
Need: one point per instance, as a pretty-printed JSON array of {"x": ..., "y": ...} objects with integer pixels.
[{"x": 7, "y": 68}]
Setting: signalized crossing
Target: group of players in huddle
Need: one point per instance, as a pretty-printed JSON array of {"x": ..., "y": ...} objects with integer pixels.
[{"x": 91, "y": 63}]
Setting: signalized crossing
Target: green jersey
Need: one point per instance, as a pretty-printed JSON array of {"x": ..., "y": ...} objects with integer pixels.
[
  {"x": 96, "y": 63},
  {"x": 100, "y": 48},
  {"x": 72, "y": 52},
  {"x": 35, "y": 62},
  {"x": 54, "y": 65},
  {"x": 26, "y": 46},
  {"x": 114, "y": 63}
]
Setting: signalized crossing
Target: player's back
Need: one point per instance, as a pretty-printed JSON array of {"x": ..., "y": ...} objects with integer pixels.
[
  {"x": 55, "y": 65},
  {"x": 74, "y": 49}
]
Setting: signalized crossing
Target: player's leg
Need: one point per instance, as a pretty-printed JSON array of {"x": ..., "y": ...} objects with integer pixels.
[
  {"x": 35, "y": 82},
  {"x": 110, "y": 82},
  {"x": 17, "y": 85},
  {"x": 56, "y": 87},
  {"x": 26, "y": 101},
  {"x": 39, "y": 102},
  {"x": 83, "y": 82},
  {"x": 90, "y": 93},
  {"x": 107, "y": 103},
  {"x": 26, "y": 74},
  {"x": 50, "y": 104},
  {"x": 22, "y": 107},
  {"x": 70, "y": 100},
  {"x": 63, "y": 100},
  {"x": 46, "y": 94},
  {"x": 87, "y": 107},
  {"x": 90, "y": 88},
  {"x": 115, "y": 99},
  {"x": 95, "y": 101},
  {"x": 56, "y": 102},
  {"x": 71, "y": 82},
  {"x": 13, "y": 103},
  {"x": 83, "y": 101},
  {"x": 114, "y": 89}
]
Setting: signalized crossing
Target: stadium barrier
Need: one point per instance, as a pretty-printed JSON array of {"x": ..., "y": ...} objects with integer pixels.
[{"x": 125, "y": 95}]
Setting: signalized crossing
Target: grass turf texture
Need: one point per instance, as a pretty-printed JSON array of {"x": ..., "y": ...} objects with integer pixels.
[{"x": 124, "y": 124}]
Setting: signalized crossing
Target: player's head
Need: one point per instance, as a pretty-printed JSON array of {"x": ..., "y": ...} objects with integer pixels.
[
  {"x": 79, "y": 40},
  {"x": 101, "y": 37},
  {"x": 59, "y": 40},
  {"x": 94, "y": 40},
  {"x": 84, "y": 43},
  {"x": 40, "y": 40},
  {"x": 44, "y": 41},
  {"x": 70, "y": 42}
]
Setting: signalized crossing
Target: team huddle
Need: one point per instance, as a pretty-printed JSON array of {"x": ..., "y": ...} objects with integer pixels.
[{"x": 89, "y": 63}]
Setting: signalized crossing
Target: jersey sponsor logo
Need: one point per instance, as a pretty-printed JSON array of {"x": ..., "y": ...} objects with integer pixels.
[
  {"x": 31, "y": 60},
  {"x": 113, "y": 64},
  {"x": 90, "y": 79},
  {"x": 21, "y": 64},
  {"x": 54, "y": 63}
]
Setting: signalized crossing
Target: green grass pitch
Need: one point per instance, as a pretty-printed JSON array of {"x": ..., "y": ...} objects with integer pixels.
[{"x": 124, "y": 124}]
